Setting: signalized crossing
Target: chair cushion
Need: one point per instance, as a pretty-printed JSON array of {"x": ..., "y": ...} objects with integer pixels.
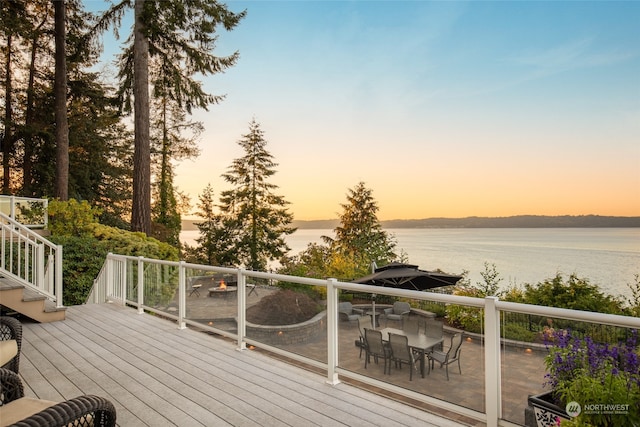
[
  {"x": 20, "y": 409},
  {"x": 8, "y": 350}
]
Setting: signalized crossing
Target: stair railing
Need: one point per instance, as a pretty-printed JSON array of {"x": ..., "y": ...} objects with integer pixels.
[
  {"x": 28, "y": 211},
  {"x": 30, "y": 259}
]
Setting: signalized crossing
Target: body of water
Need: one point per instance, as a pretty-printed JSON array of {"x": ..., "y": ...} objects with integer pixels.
[{"x": 608, "y": 257}]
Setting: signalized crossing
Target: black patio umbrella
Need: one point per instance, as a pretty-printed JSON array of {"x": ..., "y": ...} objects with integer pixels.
[{"x": 405, "y": 276}]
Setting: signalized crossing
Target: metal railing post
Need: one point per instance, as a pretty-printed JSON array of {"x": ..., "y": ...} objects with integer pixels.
[
  {"x": 4, "y": 243},
  {"x": 182, "y": 296},
  {"x": 242, "y": 310},
  {"x": 39, "y": 267},
  {"x": 492, "y": 362},
  {"x": 109, "y": 278},
  {"x": 58, "y": 277},
  {"x": 123, "y": 280},
  {"x": 140, "y": 284},
  {"x": 45, "y": 219},
  {"x": 332, "y": 332}
]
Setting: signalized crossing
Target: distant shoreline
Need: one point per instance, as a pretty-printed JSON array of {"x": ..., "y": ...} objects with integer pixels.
[{"x": 519, "y": 221}]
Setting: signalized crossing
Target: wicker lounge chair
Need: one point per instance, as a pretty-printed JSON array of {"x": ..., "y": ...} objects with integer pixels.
[
  {"x": 10, "y": 343},
  {"x": 17, "y": 410}
]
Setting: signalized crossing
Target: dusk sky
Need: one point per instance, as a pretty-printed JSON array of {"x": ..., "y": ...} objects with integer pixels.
[{"x": 443, "y": 109}]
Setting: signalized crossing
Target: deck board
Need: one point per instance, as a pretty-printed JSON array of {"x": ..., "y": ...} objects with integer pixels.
[{"x": 158, "y": 375}]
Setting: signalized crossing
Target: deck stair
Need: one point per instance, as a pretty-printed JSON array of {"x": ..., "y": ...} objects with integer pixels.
[{"x": 16, "y": 297}]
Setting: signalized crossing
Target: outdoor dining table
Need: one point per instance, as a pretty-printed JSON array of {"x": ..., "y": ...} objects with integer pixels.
[{"x": 416, "y": 341}]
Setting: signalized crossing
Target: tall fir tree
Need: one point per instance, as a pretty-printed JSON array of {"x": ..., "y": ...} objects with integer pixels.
[
  {"x": 180, "y": 36},
  {"x": 215, "y": 244},
  {"x": 173, "y": 138},
  {"x": 60, "y": 95},
  {"x": 99, "y": 163},
  {"x": 15, "y": 27},
  {"x": 360, "y": 237},
  {"x": 258, "y": 218}
]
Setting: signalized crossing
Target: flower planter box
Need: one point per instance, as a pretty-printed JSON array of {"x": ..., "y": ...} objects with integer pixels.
[{"x": 543, "y": 412}]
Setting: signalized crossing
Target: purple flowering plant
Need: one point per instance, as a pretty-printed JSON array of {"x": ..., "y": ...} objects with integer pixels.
[{"x": 603, "y": 378}]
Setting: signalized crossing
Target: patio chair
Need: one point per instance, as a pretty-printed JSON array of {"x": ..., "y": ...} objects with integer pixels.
[
  {"x": 364, "y": 322},
  {"x": 10, "y": 343},
  {"x": 376, "y": 348},
  {"x": 449, "y": 357},
  {"x": 17, "y": 409},
  {"x": 434, "y": 329},
  {"x": 412, "y": 324},
  {"x": 401, "y": 352},
  {"x": 348, "y": 312},
  {"x": 399, "y": 310}
]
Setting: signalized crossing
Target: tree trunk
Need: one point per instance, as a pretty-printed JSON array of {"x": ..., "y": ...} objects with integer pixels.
[
  {"x": 27, "y": 161},
  {"x": 60, "y": 93},
  {"x": 7, "y": 140},
  {"x": 29, "y": 118},
  {"x": 141, "y": 209}
]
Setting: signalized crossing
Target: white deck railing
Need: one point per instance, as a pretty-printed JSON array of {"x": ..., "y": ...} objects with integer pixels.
[
  {"x": 146, "y": 284},
  {"x": 30, "y": 259},
  {"x": 30, "y": 212}
]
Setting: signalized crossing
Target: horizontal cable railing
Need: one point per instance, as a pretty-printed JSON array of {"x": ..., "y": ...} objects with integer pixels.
[
  {"x": 30, "y": 259},
  {"x": 171, "y": 289}
]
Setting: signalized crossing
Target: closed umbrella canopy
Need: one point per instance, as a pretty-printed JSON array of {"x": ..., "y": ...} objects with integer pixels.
[{"x": 407, "y": 276}]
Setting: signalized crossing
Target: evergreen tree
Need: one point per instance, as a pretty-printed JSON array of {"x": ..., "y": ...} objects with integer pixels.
[
  {"x": 34, "y": 133},
  {"x": 215, "y": 242},
  {"x": 257, "y": 217},
  {"x": 99, "y": 163},
  {"x": 141, "y": 207},
  {"x": 359, "y": 238},
  {"x": 15, "y": 26},
  {"x": 60, "y": 95},
  {"x": 180, "y": 36},
  {"x": 173, "y": 139}
]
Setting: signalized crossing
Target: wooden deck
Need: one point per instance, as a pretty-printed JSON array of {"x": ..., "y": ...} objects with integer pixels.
[{"x": 158, "y": 375}]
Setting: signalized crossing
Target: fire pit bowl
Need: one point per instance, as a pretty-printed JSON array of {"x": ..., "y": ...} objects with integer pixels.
[
  {"x": 233, "y": 290},
  {"x": 223, "y": 289}
]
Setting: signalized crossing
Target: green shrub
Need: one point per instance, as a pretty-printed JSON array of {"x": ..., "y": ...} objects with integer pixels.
[
  {"x": 435, "y": 307},
  {"x": 575, "y": 294},
  {"x": 469, "y": 318},
  {"x": 517, "y": 332},
  {"x": 84, "y": 255},
  {"x": 131, "y": 243},
  {"x": 632, "y": 307},
  {"x": 71, "y": 217}
]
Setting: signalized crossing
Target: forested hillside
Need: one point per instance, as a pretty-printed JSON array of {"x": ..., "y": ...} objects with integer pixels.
[{"x": 521, "y": 221}]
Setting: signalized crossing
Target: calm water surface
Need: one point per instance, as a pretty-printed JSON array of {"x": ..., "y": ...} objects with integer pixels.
[{"x": 608, "y": 257}]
